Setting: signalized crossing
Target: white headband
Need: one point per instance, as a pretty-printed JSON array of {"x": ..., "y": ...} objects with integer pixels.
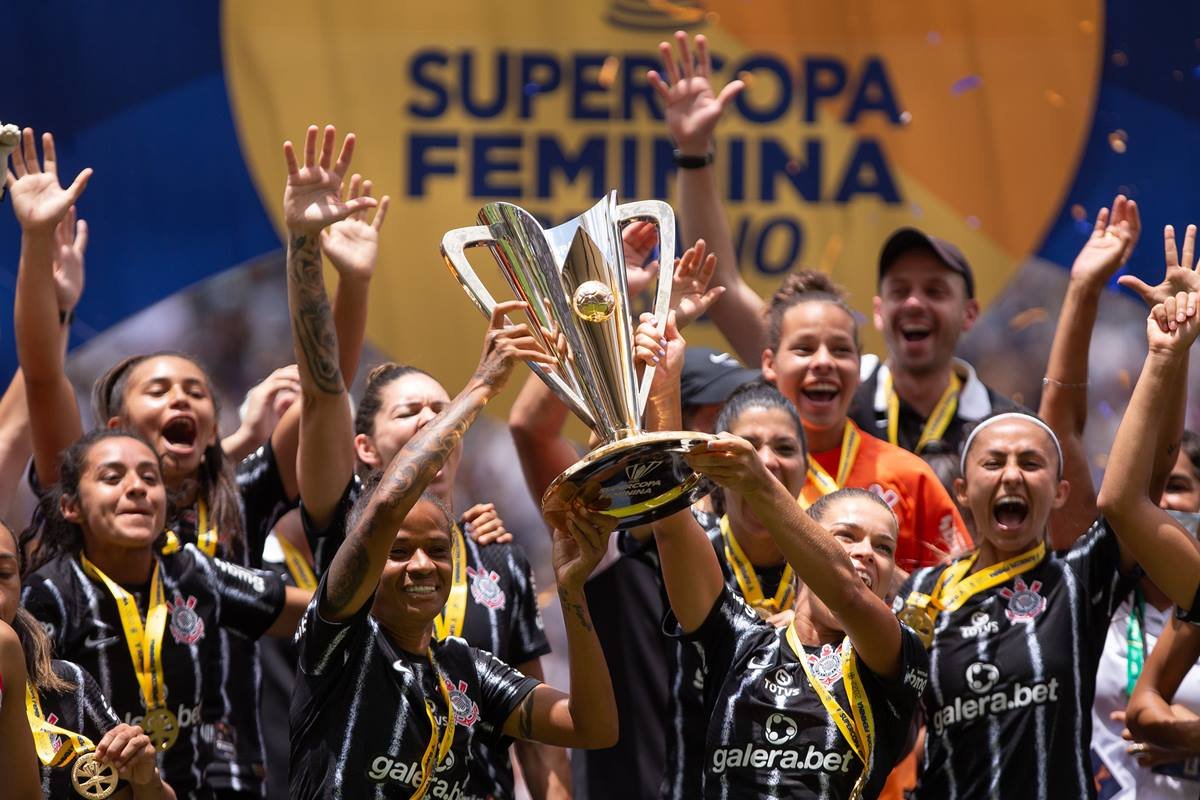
[{"x": 962, "y": 462}]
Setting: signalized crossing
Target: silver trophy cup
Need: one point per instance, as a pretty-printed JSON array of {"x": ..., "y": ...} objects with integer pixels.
[{"x": 573, "y": 279}]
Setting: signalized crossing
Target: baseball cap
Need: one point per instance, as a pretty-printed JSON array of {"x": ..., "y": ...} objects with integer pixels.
[
  {"x": 907, "y": 239},
  {"x": 710, "y": 376}
]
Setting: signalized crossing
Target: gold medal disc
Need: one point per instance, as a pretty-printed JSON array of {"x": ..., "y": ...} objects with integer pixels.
[
  {"x": 93, "y": 779},
  {"x": 162, "y": 726},
  {"x": 918, "y": 619}
]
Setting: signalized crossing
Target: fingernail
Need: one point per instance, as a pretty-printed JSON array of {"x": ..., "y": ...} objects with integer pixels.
[
  {"x": 655, "y": 359},
  {"x": 662, "y": 353},
  {"x": 663, "y": 341}
]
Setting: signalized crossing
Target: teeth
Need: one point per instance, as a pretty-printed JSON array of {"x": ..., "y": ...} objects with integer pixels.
[
  {"x": 823, "y": 387},
  {"x": 420, "y": 589},
  {"x": 866, "y": 578}
]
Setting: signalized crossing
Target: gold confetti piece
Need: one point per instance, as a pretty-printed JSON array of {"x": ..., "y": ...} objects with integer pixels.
[
  {"x": 1018, "y": 398},
  {"x": 833, "y": 250},
  {"x": 679, "y": 12},
  {"x": 973, "y": 222},
  {"x": 1054, "y": 98},
  {"x": 1030, "y": 316},
  {"x": 1120, "y": 58},
  {"x": 608, "y": 71},
  {"x": 1118, "y": 140},
  {"x": 1101, "y": 460},
  {"x": 545, "y": 598},
  {"x": 792, "y": 167},
  {"x": 905, "y": 117},
  {"x": 1078, "y": 213},
  {"x": 1087, "y": 26},
  {"x": 1124, "y": 377},
  {"x": 746, "y": 77}
]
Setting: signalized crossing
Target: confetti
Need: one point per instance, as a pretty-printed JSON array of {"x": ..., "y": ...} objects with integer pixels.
[
  {"x": 905, "y": 117},
  {"x": 1177, "y": 74},
  {"x": 1101, "y": 460},
  {"x": 934, "y": 38},
  {"x": 1196, "y": 71},
  {"x": 914, "y": 209},
  {"x": 1018, "y": 398},
  {"x": 973, "y": 222},
  {"x": 1083, "y": 226},
  {"x": 1054, "y": 98},
  {"x": 1124, "y": 377},
  {"x": 1120, "y": 58},
  {"x": 608, "y": 71},
  {"x": 1105, "y": 409},
  {"x": 833, "y": 249},
  {"x": 966, "y": 84},
  {"x": 1087, "y": 26},
  {"x": 1078, "y": 212},
  {"x": 792, "y": 167},
  {"x": 1030, "y": 316},
  {"x": 1118, "y": 140}
]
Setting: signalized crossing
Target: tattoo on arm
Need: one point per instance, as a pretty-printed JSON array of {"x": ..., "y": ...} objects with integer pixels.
[
  {"x": 312, "y": 317},
  {"x": 347, "y": 573},
  {"x": 526, "y": 719},
  {"x": 575, "y": 608}
]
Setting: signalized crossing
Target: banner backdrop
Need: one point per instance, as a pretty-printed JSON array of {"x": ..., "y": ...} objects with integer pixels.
[{"x": 1001, "y": 127}]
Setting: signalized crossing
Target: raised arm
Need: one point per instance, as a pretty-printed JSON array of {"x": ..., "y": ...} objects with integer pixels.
[
  {"x": 1148, "y": 534},
  {"x": 692, "y": 112},
  {"x": 1152, "y": 715},
  {"x": 1064, "y": 391},
  {"x": 312, "y": 202},
  {"x": 536, "y": 422},
  {"x": 356, "y": 568},
  {"x": 265, "y": 405},
  {"x": 40, "y": 204},
  {"x": 18, "y": 759}
]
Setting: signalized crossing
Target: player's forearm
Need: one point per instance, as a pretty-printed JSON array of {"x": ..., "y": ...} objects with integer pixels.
[{"x": 592, "y": 706}]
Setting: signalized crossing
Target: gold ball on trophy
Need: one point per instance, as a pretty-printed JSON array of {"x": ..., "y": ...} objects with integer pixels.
[{"x": 594, "y": 301}]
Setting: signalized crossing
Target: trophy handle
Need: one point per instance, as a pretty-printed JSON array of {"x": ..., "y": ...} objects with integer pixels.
[
  {"x": 661, "y": 214},
  {"x": 454, "y": 246}
]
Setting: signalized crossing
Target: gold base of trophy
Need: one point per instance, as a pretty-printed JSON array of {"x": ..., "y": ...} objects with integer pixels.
[{"x": 640, "y": 479}]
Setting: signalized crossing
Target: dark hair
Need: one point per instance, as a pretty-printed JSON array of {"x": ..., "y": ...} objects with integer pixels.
[
  {"x": 820, "y": 509},
  {"x": 805, "y": 286},
  {"x": 1190, "y": 444},
  {"x": 756, "y": 394},
  {"x": 50, "y": 534},
  {"x": 35, "y": 643},
  {"x": 379, "y": 379},
  {"x": 371, "y": 485},
  {"x": 218, "y": 484}
]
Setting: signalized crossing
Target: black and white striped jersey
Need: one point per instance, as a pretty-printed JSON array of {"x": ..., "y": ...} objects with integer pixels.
[
  {"x": 1013, "y": 676},
  {"x": 203, "y": 595},
  {"x": 502, "y": 617},
  {"x": 769, "y": 736},
  {"x": 359, "y": 721},
  {"x": 84, "y": 710}
]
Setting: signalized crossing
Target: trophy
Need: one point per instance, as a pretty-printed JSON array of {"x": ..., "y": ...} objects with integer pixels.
[{"x": 573, "y": 279}]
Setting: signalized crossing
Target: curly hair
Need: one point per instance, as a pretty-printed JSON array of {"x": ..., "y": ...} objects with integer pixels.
[{"x": 805, "y": 286}]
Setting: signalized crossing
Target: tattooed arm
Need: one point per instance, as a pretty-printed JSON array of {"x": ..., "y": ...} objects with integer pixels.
[
  {"x": 587, "y": 717},
  {"x": 312, "y": 202},
  {"x": 359, "y": 562}
]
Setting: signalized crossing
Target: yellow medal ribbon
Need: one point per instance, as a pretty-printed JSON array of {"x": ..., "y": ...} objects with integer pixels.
[
  {"x": 297, "y": 565},
  {"x": 822, "y": 480},
  {"x": 206, "y": 537},
  {"x": 952, "y": 589},
  {"x": 937, "y": 423},
  {"x": 747, "y": 578},
  {"x": 857, "y": 725},
  {"x": 450, "y": 621},
  {"x": 437, "y": 748},
  {"x": 44, "y": 732},
  {"x": 145, "y": 648}
]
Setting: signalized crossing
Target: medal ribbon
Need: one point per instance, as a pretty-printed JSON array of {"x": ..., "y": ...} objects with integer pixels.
[
  {"x": 297, "y": 565},
  {"x": 144, "y": 641},
  {"x": 822, "y": 480},
  {"x": 747, "y": 578},
  {"x": 450, "y": 621},
  {"x": 1135, "y": 641},
  {"x": 206, "y": 537},
  {"x": 937, "y": 423},
  {"x": 436, "y": 750},
  {"x": 858, "y": 725},
  {"x": 44, "y": 731}
]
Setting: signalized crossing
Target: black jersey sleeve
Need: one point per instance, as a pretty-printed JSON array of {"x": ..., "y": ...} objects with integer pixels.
[
  {"x": 264, "y": 500},
  {"x": 1095, "y": 558},
  {"x": 321, "y": 643},
  {"x": 249, "y": 599},
  {"x": 501, "y": 688},
  {"x": 325, "y": 541},
  {"x": 527, "y": 634},
  {"x": 42, "y": 598},
  {"x": 95, "y": 716},
  {"x": 730, "y": 628}
]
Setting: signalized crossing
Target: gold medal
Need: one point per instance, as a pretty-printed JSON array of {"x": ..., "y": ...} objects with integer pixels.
[
  {"x": 93, "y": 779},
  {"x": 919, "y": 620},
  {"x": 162, "y": 726}
]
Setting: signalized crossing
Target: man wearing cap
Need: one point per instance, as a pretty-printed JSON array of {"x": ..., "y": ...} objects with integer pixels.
[
  {"x": 709, "y": 377},
  {"x": 922, "y": 394}
]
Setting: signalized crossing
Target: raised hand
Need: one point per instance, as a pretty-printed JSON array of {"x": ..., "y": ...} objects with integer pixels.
[
  {"x": 730, "y": 461},
  {"x": 70, "y": 240},
  {"x": 1173, "y": 324},
  {"x": 504, "y": 345},
  {"x": 692, "y": 109},
  {"x": 665, "y": 351},
  {"x": 1180, "y": 275},
  {"x": 352, "y": 244},
  {"x": 1110, "y": 244},
  {"x": 580, "y": 540},
  {"x": 484, "y": 526},
  {"x": 312, "y": 199},
  {"x": 268, "y": 400},
  {"x": 690, "y": 295},
  {"x": 39, "y": 201},
  {"x": 638, "y": 239}
]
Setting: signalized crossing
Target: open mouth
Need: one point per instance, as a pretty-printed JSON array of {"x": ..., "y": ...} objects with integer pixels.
[
  {"x": 420, "y": 590},
  {"x": 915, "y": 331},
  {"x": 1010, "y": 512},
  {"x": 866, "y": 577},
  {"x": 180, "y": 433},
  {"x": 823, "y": 392}
]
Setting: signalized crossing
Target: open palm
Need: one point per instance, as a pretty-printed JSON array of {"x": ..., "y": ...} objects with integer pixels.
[
  {"x": 39, "y": 201},
  {"x": 692, "y": 107},
  {"x": 352, "y": 244},
  {"x": 1180, "y": 275},
  {"x": 312, "y": 199}
]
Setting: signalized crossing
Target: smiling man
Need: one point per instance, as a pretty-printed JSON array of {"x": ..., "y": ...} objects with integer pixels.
[{"x": 922, "y": 394}]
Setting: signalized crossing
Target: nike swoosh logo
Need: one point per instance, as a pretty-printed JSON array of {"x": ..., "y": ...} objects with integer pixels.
[{"x": 92, "y": 641}]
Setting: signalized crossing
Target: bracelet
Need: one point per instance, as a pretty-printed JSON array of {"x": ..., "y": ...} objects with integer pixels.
[
  {"x": 1047, "y": 381},
  {"x": 66, "y": 317},
  {"x": 684, "y": 161}
]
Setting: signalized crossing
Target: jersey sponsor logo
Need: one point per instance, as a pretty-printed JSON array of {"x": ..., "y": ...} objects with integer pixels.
[
  {"x": 385, "y": 768},
  {"x": 889, "y": 496},
  {"x": 779, "y": 683},
  {"x": 916, "y": 679},
  {"x": 982, "y": 624},
  {"x": 485, "y": 588},
  {"x": 102, "y": 638},
  {"x": 759, "y": 661},
  {"x": 1024, "y": 602},
  {"x": 778, "y": 730},
  {"x": 186, "y": 625},
  {"x": 246, "y": 576},
  {"x": 827, "y": 666},
  {"x": 982, "y": 679},
  {"x": 947, "y": 530},
  {"x": 466, "y": 712},
  {"x": 187, "y": 716}
]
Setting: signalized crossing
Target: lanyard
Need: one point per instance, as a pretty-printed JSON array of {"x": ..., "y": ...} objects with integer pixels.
[
  {"x": 747, "y": 578},
  {"x": 1135, "y": 641},
  {"x": 44, "y": 732},
  {"x": 822, "y": 480},
  {"x": 937, "y": 423},
  {"x": 206, "y": 537},
  {"x": 859, "y": 729},
  {"x": 450, "y": 621},
  {"x": 436, "y": 750},
  {"x": 953, "y": 589},
  {"x": 297, "y": 565},
  {"x": 144, "y": 641}
]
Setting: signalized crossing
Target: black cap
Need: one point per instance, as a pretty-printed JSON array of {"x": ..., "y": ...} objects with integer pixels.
[
  {"x": 710, "y": 376},
  {"x": 907, "y": 239}
]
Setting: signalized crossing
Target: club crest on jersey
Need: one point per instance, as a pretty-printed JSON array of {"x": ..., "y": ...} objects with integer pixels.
[
  {"x": 827, "y": 666},
  {"x": 485, "y": 588},
  {"x": 466, "y": 712},
  {"x": 1024, "y": 602},
  {"x": 186, "y": 625}
]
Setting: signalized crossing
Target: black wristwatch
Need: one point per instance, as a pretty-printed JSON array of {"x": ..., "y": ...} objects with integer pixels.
[{"x": 691, "y": 162}]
